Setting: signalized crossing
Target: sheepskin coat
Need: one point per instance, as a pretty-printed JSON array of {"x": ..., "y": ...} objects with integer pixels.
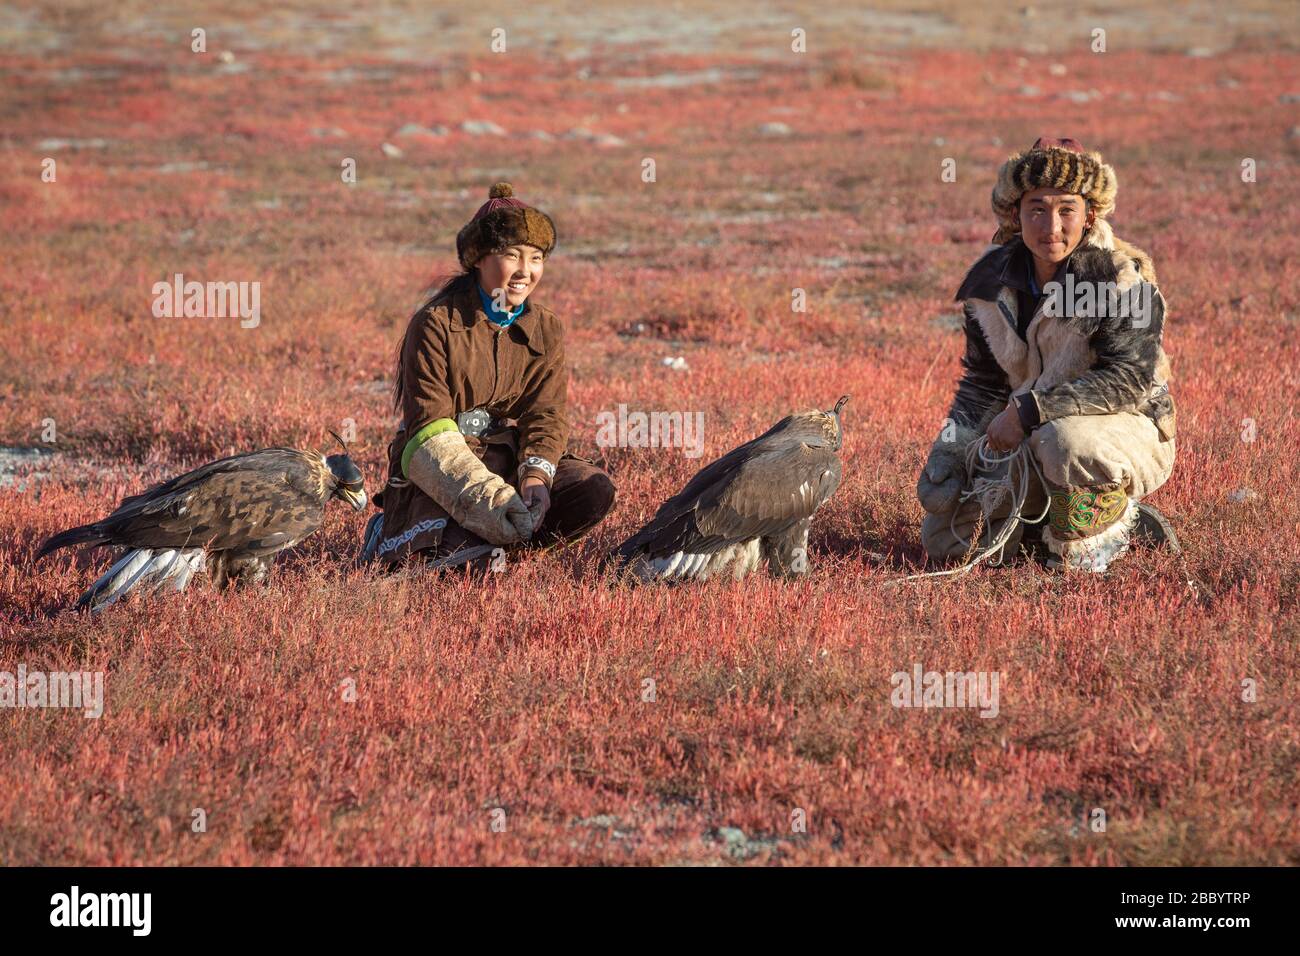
[{"x": 1093, "y": 348}]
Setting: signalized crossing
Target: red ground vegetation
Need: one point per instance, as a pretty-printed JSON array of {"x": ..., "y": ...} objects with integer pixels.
[{"x": 526, "y": 693}]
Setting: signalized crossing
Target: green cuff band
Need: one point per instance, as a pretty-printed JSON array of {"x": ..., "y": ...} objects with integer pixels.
[{"x": 436, "y": 427}]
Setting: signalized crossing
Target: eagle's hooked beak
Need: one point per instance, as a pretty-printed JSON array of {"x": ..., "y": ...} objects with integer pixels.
[{"x": 357, "y": 498}]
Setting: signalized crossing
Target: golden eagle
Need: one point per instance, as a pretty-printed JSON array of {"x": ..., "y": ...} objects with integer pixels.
[
  {"x": 753, "y": 505},
  {"x": 229, "y": 518}
]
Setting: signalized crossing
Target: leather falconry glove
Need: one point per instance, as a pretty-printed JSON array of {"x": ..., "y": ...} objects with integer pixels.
[{"x": 477, "y": 499}]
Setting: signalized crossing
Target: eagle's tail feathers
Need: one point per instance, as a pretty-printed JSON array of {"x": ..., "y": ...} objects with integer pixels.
[
  {"x": 191, "y": 560},
  {"x": 668, "y": 566},
  {"x": 175, "y": 574},
  {"x": 165, "y": 565},
  {"x": 145, "y": 571},
  {"x": 116, "y": 581}
]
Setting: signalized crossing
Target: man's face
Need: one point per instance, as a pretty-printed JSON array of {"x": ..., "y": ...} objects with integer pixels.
[
  {"x": 1052, "y": 222},
  {"x": 517, "y": 269}
]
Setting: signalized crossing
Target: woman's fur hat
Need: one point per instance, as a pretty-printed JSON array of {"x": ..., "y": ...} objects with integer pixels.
[
  {"x": 503, "y": 221},
  {"x": 1061, "y": 163}
]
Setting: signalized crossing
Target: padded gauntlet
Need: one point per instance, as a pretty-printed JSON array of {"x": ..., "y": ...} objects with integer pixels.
[{"x": 477, "y": 499}]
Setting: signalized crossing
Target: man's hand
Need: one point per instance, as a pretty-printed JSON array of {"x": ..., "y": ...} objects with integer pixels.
[
  {"x": 1005, "y": 432},
  {"x": 537, "y": 497}
]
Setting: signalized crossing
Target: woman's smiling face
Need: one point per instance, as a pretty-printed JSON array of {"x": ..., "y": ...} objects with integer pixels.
[{"x": 516, "y": 269}]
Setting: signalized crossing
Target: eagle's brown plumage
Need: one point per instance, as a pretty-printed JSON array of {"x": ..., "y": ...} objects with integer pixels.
[
  {"x": 230, "y": 517},
  {"x": 754, "y": 504}
]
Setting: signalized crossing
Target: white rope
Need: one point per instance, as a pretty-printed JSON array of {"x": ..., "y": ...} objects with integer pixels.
[{"x": 990, "y": 492}]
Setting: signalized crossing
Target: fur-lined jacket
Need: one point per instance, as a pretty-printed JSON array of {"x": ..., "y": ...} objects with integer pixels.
[{"x": 1092, "y": 347}]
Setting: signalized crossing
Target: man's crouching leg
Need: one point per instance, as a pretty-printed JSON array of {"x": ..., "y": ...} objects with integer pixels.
[{"x": 1097, "y": 468}]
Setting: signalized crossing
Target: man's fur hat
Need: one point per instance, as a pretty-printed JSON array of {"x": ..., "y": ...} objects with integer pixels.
[{"x": 1061, "y": 163}]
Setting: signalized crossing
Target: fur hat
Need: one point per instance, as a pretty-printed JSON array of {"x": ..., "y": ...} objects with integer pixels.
[
  {"x": 503, "y": 221},
  {"x": 1061, "y": 163}
]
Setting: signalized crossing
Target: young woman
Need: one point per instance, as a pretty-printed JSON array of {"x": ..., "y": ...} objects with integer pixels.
[
  {"x": 479, "y": 462},
  {"x": 1063, "y": 352}
]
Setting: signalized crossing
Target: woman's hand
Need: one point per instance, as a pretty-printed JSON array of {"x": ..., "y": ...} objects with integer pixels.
[
  {"x": 537, "y": 497},
  {"x": 1005, "y": 432}
]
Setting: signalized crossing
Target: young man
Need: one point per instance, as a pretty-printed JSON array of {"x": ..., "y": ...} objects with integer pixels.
[{"x": 1063, "y": 352}]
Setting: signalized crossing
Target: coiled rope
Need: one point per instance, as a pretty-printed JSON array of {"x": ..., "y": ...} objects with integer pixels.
[{"x": 991, "y": 492}]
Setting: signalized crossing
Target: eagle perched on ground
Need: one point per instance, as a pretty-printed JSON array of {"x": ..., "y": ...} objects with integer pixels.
[
  {"x": 228, "y": 518},
  {"x": 754, "y": 504}
]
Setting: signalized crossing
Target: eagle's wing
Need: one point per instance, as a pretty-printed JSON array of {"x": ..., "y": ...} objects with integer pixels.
[
  {"x": 256, "y": 503},
  {"x": 759, "y": 490},
  {"x": 265, "y": 461}
]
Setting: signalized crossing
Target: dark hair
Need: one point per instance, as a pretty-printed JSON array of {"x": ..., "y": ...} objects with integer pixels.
[{"x": 449, "y": 287}]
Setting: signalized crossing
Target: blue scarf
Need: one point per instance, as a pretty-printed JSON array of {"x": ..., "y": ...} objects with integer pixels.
[{"x": 495, "y": 315}]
